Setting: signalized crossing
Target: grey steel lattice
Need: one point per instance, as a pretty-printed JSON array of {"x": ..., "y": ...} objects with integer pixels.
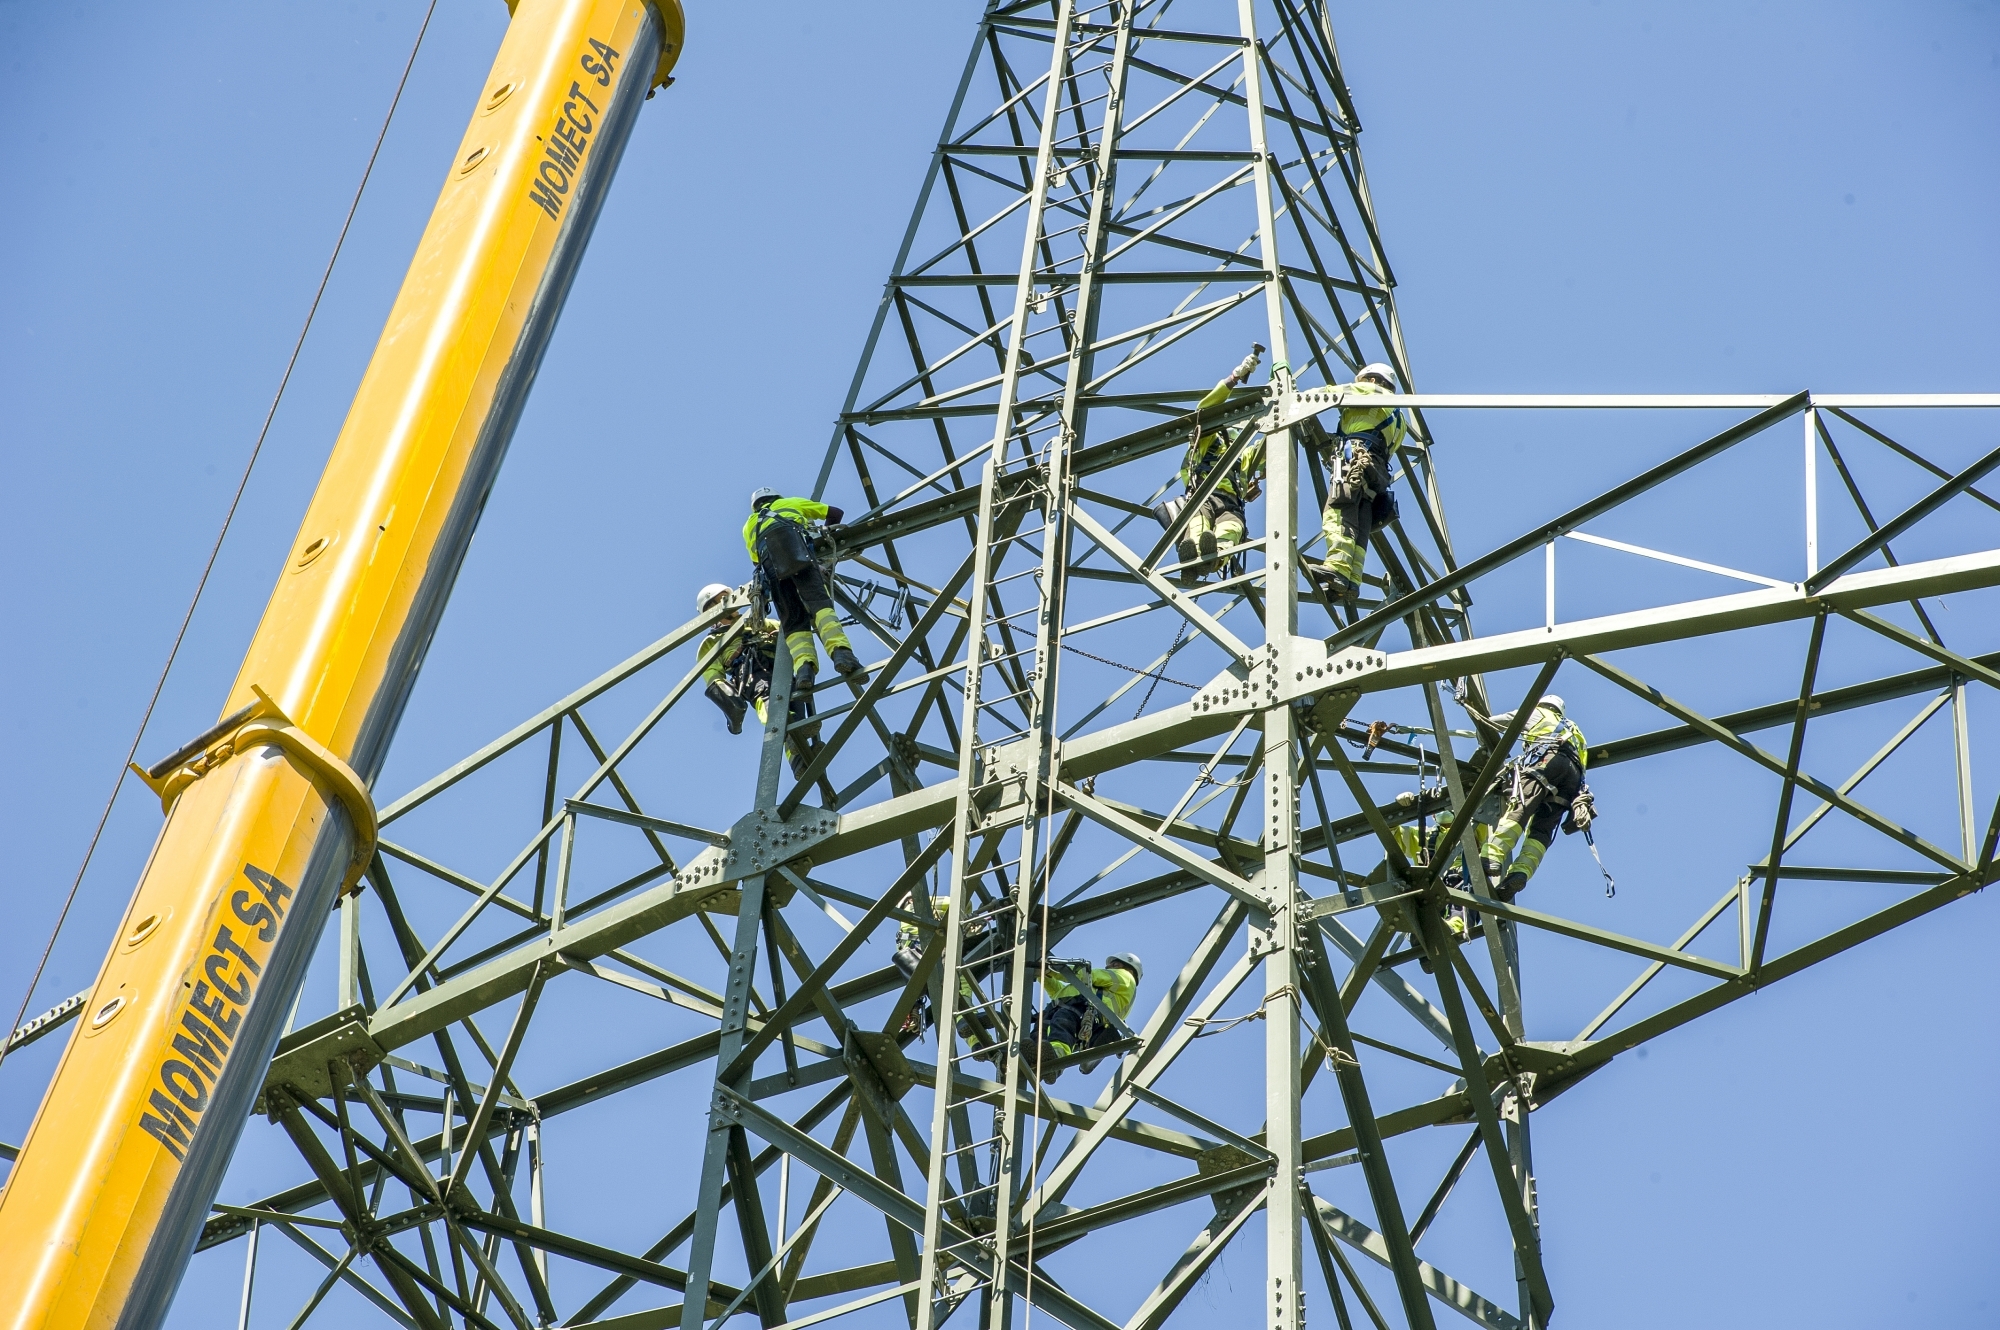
[{"x": 1125, "y": 195}]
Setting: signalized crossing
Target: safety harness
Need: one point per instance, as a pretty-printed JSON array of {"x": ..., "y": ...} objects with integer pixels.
[
  {"x": 743, "y": 674},
  {"x": 1356, "y": 459},
  {"x": 1201, "y": 461},
  {"x": 1528, "y": 786},
  {"x": 1582, "y": 810}
]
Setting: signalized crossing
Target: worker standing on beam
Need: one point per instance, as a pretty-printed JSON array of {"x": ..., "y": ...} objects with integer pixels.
[
  {"x": 1545, "y": 789},
  {"x": 1216, "y": 527},
  {"x": 1359, "y": 501},
  {"x": 778, "y": 536}
]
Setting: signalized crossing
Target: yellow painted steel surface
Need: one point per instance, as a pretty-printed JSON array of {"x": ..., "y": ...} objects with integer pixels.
[{"x": 101, "y": 1209}]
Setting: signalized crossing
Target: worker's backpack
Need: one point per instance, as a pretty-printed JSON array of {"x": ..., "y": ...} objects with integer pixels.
[{"x": 784, "y": 550}]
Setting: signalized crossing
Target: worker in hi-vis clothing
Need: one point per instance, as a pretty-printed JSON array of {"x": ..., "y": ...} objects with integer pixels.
[
  {"x": 1070, "y": 1024},
  {"x": 1358, "y": 498},
  {"x": 780, "y": 544},
  {"x": 737, "y": 672},
  {"x": 1216, "y": 527},
  {"x": 1418, "y": 847},
  {"x": 1544, "y": 788},
  {"x": 911, "y": 943}
]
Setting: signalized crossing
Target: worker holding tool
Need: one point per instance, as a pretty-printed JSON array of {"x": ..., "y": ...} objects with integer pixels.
[
  {"x": 1359, "y": 500},
  {"x": 1217, "y": 525},
  {"x": 1544, "y": 787},
  {"x": 778, "y": 534},
  {"x": 736, "y": 670},
  {"x": 1070, "y": 1024}
]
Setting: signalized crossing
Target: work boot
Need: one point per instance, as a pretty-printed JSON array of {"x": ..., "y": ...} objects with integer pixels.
[
  {"x": 732, "y": 706},
  {"x": 1334, "y": 586},
  {"x": 1205, "y": 545},
  {"x": 849, "y": 664},
  {"x": 1186, "y": 550},
  {"x": 1510, "y": 887}
]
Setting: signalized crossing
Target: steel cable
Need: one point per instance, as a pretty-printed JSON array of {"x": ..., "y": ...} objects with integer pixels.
[{"x": 215, "y": 550}]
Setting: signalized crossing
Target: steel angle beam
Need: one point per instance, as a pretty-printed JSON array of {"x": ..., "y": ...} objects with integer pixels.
[
  {"x": 1688, "y": 619},
  {"x": 1437, "y": 1283}
]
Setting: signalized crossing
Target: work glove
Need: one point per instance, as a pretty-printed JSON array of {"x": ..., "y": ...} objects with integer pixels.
[
  {"x": 1241, "y": 374},
  {"x": 1582, "y": 812},
  {"x": 833, "y": 515}
]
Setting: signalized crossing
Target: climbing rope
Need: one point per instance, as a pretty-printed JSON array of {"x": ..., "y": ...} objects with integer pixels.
[
  {"x": 215, "y": 550},
  {"x": 1208, "y": 1025},
  {"x": 1336, "y": 1057}
]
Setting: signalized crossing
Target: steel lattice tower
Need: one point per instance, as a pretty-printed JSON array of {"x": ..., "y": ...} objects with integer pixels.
[{"x": 1063, "y": 738}]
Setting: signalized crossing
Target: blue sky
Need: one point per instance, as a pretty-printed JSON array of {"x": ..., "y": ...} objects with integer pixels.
[{"x": 1578, "y": 197}]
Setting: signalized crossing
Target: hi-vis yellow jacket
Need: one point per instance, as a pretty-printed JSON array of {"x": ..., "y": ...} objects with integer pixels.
[
  {"x": 1116, "y": 987},
  {"x": 1361, "y": 419},
  {"x": 799, "y": 511}
]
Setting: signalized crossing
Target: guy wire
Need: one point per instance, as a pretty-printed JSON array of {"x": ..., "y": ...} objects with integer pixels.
[{"x": 229, "y": 517}]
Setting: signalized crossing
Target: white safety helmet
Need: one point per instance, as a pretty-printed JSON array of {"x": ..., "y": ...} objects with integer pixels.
[
  {"x": 1552, "y": 703},
  {"x": 1378, "y": 370},
  {"x": 760, "y": 497},
  {"x": 704, "y": 599},
  {"x": 1129, "y": 960}
]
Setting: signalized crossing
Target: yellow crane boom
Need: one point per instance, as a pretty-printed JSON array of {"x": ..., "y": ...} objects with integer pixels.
[{"x": 269, "y": 815}]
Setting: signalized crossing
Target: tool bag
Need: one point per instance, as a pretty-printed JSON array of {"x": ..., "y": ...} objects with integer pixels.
[
  {"x": 1386, "y": 511},
  {"x": 1582, "y": 812},
  {"x": 1360, "y": 470},
  {"x": 784, "y": 550}
]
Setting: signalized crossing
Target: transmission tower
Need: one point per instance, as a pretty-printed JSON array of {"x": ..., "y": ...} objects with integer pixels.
[{"x": 1069, "y": 743}]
